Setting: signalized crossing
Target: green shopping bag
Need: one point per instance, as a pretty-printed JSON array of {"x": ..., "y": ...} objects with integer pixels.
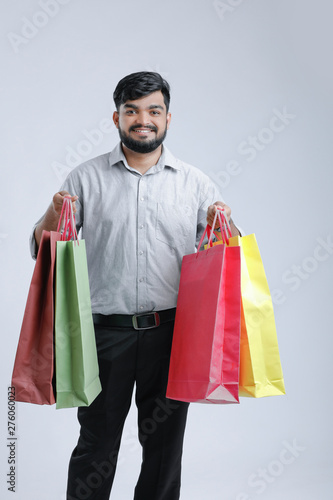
[{"x": 77, "y": 372}]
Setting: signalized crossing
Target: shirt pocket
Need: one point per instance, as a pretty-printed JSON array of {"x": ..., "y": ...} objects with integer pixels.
[{"x": 174, "y": 224}]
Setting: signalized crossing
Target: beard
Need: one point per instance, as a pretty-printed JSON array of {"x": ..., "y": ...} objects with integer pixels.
[{"x": 142, "y": 146}]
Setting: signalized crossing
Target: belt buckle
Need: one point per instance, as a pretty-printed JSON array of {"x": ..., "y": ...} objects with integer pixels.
[{"x": 135, "y": 320}]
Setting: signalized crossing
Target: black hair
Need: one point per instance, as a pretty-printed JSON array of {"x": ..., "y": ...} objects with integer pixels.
[{"x": 140, "y": 84}]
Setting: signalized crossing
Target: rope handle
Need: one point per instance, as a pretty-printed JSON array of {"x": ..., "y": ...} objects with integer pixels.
[
  {"x": 68, "y": 231},
  {"x": 224, "y": 226}
]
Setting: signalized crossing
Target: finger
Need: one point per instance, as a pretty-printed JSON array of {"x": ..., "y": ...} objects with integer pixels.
[
  {"x": 58, "y": 200},
  {"x": 210, "y": 221},
  {"x": 226, "y": 209}
]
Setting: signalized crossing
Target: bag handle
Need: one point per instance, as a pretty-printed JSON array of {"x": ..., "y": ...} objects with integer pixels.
[
  {"x": 224, "y": 226},
  {"x": 67, "y": 215}
]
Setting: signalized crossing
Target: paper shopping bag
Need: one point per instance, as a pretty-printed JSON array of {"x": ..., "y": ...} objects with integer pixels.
[
  {"x": 34, "y": 362},
  {"x": 204, "y": 363},
  {"x": 77, "y": 372},
  {"x": 260, "y": 366}
]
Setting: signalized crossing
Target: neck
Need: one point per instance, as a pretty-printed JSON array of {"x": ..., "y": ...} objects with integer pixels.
[{"x": 141, "y": 162}]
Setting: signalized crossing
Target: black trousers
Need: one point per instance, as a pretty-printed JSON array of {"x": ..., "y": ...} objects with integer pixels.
[{"x": 128, "y": 357}]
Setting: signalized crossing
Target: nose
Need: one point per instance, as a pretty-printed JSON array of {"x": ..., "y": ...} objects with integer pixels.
[{"x": 143, "y": 117}]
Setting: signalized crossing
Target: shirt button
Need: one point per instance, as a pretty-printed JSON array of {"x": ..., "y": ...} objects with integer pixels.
[
  {"x": 141, "y": 280},
  {"x": 142, "y": 198},
  {"x": 141, "y": 226},
  {"x": 141, "y": 252},
  {"x": 141, "y": 307}
]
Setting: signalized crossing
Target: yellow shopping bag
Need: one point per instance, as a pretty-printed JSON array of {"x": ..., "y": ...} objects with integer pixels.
[{"x": 260, "y": 367}]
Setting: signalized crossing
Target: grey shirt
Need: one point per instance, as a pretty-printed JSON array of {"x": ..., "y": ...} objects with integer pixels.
[{"x": 137, "y": 228}]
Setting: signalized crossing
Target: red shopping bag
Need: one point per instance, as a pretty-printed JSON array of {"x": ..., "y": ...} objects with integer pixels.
[
  {"x": 204, "y": 364},
  {"x": 34, "y": 362}
]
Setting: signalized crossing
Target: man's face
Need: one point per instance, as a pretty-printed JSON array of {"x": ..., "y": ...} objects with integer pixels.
[{"x": 143, "y": 123}]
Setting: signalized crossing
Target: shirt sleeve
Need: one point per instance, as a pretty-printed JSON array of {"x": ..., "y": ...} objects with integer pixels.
[{"x": 32, "y": 241}]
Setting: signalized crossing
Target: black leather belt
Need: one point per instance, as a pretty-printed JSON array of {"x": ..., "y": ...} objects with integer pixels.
[{"x": 143, "y": 321}]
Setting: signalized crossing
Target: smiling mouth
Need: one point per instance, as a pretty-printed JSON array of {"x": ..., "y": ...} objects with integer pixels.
[{"x": 142, "y": 131}]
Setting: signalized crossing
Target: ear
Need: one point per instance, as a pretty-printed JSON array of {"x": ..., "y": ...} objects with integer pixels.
[
  {"x": 168, "y": 120},
  {"x": 116, "y": 118}
]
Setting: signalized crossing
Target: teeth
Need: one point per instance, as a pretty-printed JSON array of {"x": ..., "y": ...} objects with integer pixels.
[{"x": 145, "y": 131}]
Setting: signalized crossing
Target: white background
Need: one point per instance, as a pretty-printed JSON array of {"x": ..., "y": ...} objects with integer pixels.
[{"x": 231, "y": 68}]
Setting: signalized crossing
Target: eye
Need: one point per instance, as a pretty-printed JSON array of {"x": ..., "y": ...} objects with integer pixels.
[
  {"x": 155, "y": 113},
  {"x": 130, "y": 112}
]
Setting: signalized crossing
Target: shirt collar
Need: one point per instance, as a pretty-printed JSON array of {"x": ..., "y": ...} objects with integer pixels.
[{"x": 166, "y": 160}]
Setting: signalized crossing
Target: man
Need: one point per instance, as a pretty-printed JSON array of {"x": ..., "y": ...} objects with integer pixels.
[{"x": 140, "y": 211}]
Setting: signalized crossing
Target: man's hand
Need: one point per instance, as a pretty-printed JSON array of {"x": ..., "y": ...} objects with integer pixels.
[
  {"x": 58, "y": 200},
  {"x": 51, "y": 218},
  {"x": 227, "y": 212},
  {"x": 212, "y": 211}
]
